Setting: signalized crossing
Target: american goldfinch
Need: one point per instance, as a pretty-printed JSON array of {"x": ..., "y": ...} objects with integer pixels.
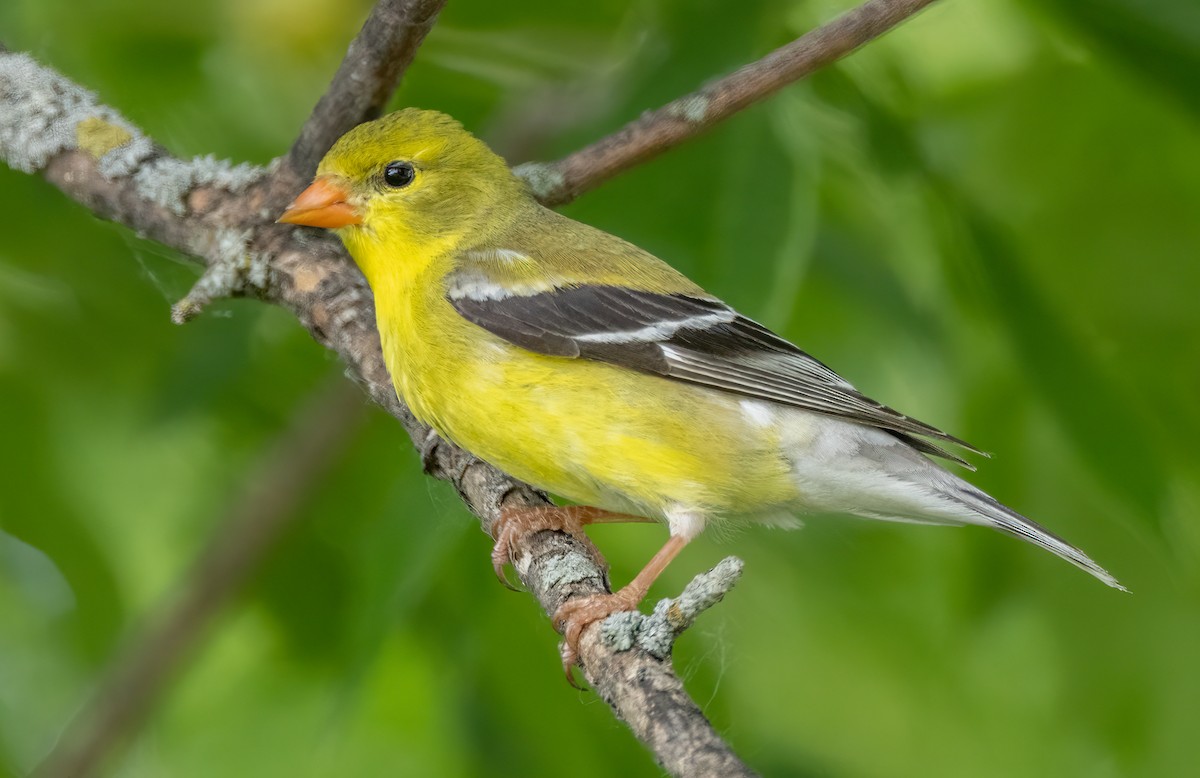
[{"x": 583, "y": 365}]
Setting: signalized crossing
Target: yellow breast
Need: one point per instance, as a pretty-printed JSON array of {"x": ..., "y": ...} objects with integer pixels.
[{"x": 587, "y": 431}]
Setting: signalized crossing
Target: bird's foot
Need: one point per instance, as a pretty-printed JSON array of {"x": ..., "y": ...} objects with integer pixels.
[
  {"x": 575, "y": 615},
  {"x": 515, "y": 523}
]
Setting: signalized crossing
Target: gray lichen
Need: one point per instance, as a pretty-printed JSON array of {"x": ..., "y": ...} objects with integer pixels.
[
  {"x": 657, "y": 632},
  {"x": 127, "y": 159},
  {"x": 543, "y": 178},
  {"x": 166, "y": 181},
  {"x": 692, "y": 108},
  {"x": 233, "y": 271},
  {"x": 41, "y": 113},
  {"x": 569, "y": 569}
]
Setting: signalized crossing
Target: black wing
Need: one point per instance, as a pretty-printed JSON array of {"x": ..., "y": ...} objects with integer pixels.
[{"x": 685, "y": 338}]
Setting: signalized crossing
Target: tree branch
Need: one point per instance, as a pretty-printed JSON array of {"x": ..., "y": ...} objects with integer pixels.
[
  {"x": 369, "y": 73},
  {"x": 686, "y": 117},
  {"x": 275, "y": 492},
  {"x": 309, "y": 274},
  {"x": 223, "y": 215}
]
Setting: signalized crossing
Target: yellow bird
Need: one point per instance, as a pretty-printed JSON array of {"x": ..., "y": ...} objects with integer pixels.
[{"x": 587, "y": 367}]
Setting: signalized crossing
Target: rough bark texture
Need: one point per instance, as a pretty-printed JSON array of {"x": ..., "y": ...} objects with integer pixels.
[{"x": 223, "y": 216}]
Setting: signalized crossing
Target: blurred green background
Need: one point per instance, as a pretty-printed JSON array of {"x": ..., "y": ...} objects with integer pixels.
[{"x": 989, "y": 219}]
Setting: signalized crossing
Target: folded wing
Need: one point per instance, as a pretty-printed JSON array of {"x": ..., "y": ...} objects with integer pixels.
[{"x": 685, "y": 338}]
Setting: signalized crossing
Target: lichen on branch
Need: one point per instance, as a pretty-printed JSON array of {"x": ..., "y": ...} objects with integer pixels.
[{"x": 45, "y": 114}]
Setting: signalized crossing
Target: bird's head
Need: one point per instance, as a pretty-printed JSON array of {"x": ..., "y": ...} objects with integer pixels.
[{"x": 412, "y": 177}]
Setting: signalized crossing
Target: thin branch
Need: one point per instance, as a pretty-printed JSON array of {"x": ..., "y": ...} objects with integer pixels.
[
  {"x": 683, "y": 119},
  {"x": 223, "y": 216},
  {"x": 275, "y": 492},
  {"x": 657, "y": 632},
  {"x": 369, "y": 73}
]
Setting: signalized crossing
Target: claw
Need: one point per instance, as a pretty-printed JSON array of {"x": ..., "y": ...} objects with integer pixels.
[
  {"x": 501, "y": 556},
  {"x": 514, "y": 523},
  {"x": 569, "y": 660},
  {"x": 576, "y": 615}
]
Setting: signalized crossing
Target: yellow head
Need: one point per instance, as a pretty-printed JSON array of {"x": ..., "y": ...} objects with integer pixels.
[{"x": 412, "y": 179}]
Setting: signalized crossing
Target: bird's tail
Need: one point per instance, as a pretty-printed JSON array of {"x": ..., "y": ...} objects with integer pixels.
[
  {"x": 1007, "y": 520},
  {"x": 849, "y": 468}
]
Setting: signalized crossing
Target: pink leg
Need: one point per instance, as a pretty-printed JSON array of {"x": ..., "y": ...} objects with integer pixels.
[
  {"x": 515, "y": 523},
  {"x": 574, "y": 616}
]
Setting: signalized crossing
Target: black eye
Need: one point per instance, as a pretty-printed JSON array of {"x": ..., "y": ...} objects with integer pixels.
[{"x": 398, "y": 174}]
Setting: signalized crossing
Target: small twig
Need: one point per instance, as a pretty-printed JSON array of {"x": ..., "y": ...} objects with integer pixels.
[
  {"x": 680, "y": 120},
  {"x": 276, "y": 490},
  {"x": 657, "y": 632},
  {"x": 369, "y": 73}
]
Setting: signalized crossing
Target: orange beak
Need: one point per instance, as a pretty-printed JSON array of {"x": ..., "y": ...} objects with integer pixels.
[{"x": 323, "y": 204}]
